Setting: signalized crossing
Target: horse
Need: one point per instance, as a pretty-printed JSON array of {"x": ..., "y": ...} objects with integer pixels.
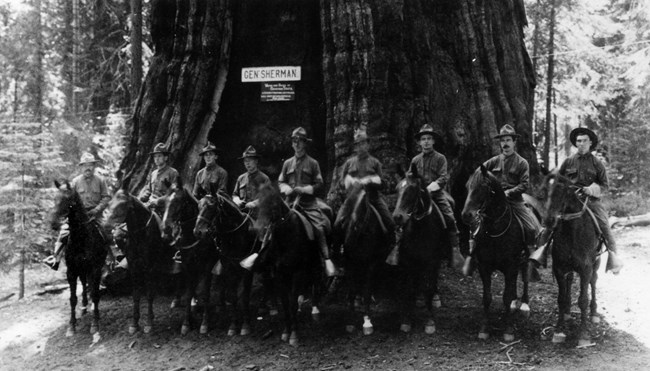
[
  {"x": 147, "y": 255},
  {"x": 500, "y": 246},
  {"x": 291, "y": 256},
  {"x": 85, "y": 253},
  {"x": 576, "y": 248},
  {"x": 421, "y": 248},
  {"x": 365, "y": 249},
  {"x": 221, "y": 220},
  {"x": 198, "y": 255}
]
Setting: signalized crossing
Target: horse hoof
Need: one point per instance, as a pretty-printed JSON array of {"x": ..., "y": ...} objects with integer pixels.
[
  {"x": 231, "y": 332},
  {"x": 70, "y": 332},
  {"x": 185, "y": 329},
  {"x": 430, "y": 329},
  {"x": 245, "y": 330},
  {"x": 147, "y": 329},
  {"x": 349, "y": 329},
  {"x": 514, "y": 305},
  {"x": 483, "y": 335},
  {"x": 368, "y": 330},
  {"x": 273, "y": 312},
  {"x": 567, "y": 317},
  {"x": 315, "y": 317},
  {"x": 203, "y": 330},
  {"x": 582, "y": 343},
  {"x": 94, "y": 329},
  {"x": 133, "y": 330},
  {"x": 436, "y": 301},
  {"x": 293, "y": 340},
  {"x": 595, "y": 319},
  {"x": 285, "y": 336},
  {"x": 406, "y": 328},
  {"x": 525, "y": 309},
  {"x": 174, "y": 304},
  {"x": 508, "y": 337},
  {"x": 558, "y": 337}
]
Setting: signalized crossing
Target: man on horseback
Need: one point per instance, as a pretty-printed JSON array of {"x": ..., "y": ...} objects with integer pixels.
[
  {"x": 299, "y": 180},
  {"x": 245, "y": 194},
  {"x": 586, "y": 171},
  {"x": 432, "y": 167},
  {"x": 364, "y": 169},
  {"x": 94, "y": 195},
  {"x": 212, "y": 175},
  {"x": 159, "y": 179},
  {"x": 512, "y": 170}
]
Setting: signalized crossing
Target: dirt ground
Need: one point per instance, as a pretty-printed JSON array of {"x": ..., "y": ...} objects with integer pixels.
[{"x": 32, "y": 332}]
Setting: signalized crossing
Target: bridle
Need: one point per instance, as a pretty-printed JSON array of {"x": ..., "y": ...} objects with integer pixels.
[
  {"x": 577, "y": 214},
  {"x": 482, "y": 214},
  {"x": 212, "y": 222}
]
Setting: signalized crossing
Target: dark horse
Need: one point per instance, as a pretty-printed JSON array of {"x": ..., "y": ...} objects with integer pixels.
[
  {"x": 289, "y": 254},
  {"x": 85, "y": 253},
  {"x": 421, "y": 248},
  {"x": 198, "y": 256},
  {"x": 147, "y": 256},
  {"x": 365, "y": 249},
  {"x": 219, "y": 219},
  {"x": 499, "y": 246},
  {"x": 576, "y": 248}
]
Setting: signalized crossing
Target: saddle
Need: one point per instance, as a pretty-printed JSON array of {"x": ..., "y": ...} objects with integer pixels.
[{"x": 309, "y": 228}]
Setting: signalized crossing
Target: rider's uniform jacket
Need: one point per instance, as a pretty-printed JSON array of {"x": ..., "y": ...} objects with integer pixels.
[
  {"x": 212, "y": 174},
  {"x": 248, "y": 185},
  {"x": 512, "y": 171},
  {"x": 431, "y": 167},
  {"x": 93, "y": 192},
  {"x": 583, "y": 170},
  {"x": 303, "y": 171},
  {"x": 155, "y": 182},
  {"x": 360, "y": 166}
]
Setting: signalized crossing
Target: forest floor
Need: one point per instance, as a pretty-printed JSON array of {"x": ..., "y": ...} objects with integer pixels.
[{"x": 32, "y": 331}]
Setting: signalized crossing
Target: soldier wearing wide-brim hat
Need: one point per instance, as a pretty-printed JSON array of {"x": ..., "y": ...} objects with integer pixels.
[
  {"x": 248, "y": 184},
  {"x": 159, "y": 180},
  {"x": 301, "y": 179},
  {"x": 427, "y": 129},
  {"x": 87, "y": 158},
  {"x": 513, "y": 173},
  {"x": 432, "y": 168},
  {"x": 212, "y": 177},
  {"x": 589, "y": 173}
]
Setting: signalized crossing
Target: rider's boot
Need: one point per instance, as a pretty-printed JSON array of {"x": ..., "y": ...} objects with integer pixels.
[
  {"x": 455, "y": 258},
  {"x": 53, "y": 260},
  {"x": 614, "y": 263}
]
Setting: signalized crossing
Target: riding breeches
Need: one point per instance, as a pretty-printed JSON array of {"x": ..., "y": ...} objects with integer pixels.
[
  {"x": 440, "y": 198},
  {"x": 531, "y": 225},
  {"x": 601, "y": 217}
]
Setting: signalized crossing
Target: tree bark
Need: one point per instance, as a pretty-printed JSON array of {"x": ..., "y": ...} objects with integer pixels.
[
  {"x": 549, "y": 86},
  {"x": 38, "y": 61},
  {"x": 386, "y": 65},
  {"x": 136, "y": 47}
]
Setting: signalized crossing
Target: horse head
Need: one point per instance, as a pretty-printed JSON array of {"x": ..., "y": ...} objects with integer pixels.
[
  {"x": 562, "y": 196},
  {"x": 67, "y": 202},
  {"x": 180, "y": 207},
  {"x": 411, "y": 197},
  {"x": 217, "y": 213},
  {"x": 271, "y": 208},
  {"x": 483, "y": 192}
]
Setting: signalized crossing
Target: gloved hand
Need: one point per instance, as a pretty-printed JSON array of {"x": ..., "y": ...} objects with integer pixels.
[
  {"x": 592, "y": 190},
  {"x": 238, "y": 201},
  {"x": 509, "y": 193},
  {"x": 286, "y": 189},
  {"x": 250, "y": 205},
  {"x": 434, "y": 186}
]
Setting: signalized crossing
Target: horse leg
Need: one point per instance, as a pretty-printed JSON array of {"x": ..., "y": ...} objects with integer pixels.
[
  {"x": 151, "y": 283},
  {"x": 431, "y": 283},
  {"x": 95, "y": 277},
  {"x": 524, "y": 308},
  {"x": 207, "y": 279},
  {"x": 595, "y": 317},
  {"x": 564, "y": 305},
  {"x": 72, "y": 281},
  {"x": 136, "y": 293},
  {"x": 408, "y": 300},
  {"x": 247, "y": 281},
  {"x": 180, "y": 284},
  {"x": 293, "y": 305},
  {"x": 190, "y": 288},
  {"x": 231, "y": 299},
  {"x": 84, "y": 294},
  {"x": 583, "y": 302},
  {"x": 509, "y": 297},
  {"x": 316, "y": 292},
  {"x": 368, "y": 328},
  {"x": 486, "y": 278}
]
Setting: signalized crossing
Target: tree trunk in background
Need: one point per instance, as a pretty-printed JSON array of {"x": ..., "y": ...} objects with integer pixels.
[
  {"x": 136, "y": 48},
  {"x": 38, "y": 61},
  {"x": 387, "y": 65},
  {"x": 549, "y": 87},
  {"x": 67, "y": 58}
]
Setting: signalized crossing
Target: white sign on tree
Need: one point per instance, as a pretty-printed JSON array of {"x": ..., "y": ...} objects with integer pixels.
[{"x": 265, "y": 74}]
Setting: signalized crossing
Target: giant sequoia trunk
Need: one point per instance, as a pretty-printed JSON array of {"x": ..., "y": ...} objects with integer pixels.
[{"x": 388, "y": 65}]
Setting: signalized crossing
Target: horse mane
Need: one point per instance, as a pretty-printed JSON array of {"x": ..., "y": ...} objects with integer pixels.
[
  {"x": 351, "y": 199},
  {"x": 478, "y": 177}
]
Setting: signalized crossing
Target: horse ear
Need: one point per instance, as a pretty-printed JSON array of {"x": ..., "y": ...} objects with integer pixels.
[
  {"x": 484, "y": 170},
  {"x": 67, "y": 184},
  {"x": 414, "y": 171},
  {"x": 57, "y": 184}
]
